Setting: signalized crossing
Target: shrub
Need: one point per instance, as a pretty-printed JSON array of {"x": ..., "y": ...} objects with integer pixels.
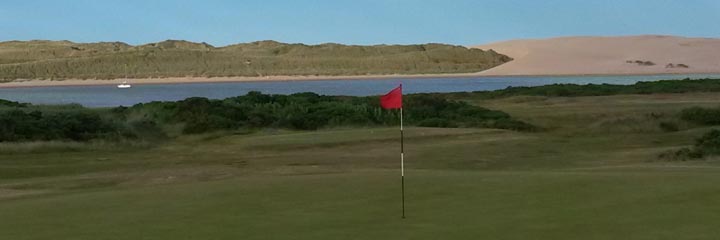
[
  {"x": 572, "y": 90},
  {"x": 196, "y": 115},
  {"x": 436, "y": 122},
  {"x": 684, "y": 154},
  {"x": 701, "y": 115},
  {"x": 706, "y": 145},
  {"x": 669, "y": 126},
  {"x": 647, "y": 63},
  {"x": 7, "y": 103},
  {"x": 18, "y": 125},
  {"x": 516, "y": 125},
  {"x": 709, "y": 143},
  {"x": 310, "y": 111},
  {"x": 145, "y": 129}
]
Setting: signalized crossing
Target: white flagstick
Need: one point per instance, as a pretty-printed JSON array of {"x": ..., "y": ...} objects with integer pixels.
[{"x": 402, "y": 162}]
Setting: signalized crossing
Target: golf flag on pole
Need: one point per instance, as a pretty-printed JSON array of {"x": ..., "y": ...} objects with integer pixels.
[{"x": 393, "y": 100}]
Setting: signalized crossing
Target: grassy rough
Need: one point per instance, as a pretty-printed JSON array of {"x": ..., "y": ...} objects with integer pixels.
[
  {"x": 589, "y": 176},
  {"x": 173, "y": 58}
]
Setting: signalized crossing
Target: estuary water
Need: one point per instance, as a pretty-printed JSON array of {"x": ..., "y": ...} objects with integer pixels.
[{"x": 111, "y": 96}]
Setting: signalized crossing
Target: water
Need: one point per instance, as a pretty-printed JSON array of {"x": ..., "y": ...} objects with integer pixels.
[{"x": 110, "y": 96}]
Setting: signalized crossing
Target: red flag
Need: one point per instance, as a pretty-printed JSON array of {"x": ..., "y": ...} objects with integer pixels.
[{"x": 393, "y": 99}]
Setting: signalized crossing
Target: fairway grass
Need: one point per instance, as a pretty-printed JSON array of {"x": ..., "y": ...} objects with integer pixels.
[
  {"x": 658, "y": 203},
  {"x": 593, "y": 173}
]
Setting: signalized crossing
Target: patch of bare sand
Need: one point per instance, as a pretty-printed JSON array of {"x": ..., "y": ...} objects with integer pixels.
[{"x": 607, "y": 55}]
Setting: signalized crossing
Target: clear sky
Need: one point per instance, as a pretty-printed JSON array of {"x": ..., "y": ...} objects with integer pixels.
[{"x": 464, "y": 22}]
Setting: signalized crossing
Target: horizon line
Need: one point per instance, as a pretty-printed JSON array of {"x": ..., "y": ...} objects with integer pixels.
[{"x": 346, "y": 44}]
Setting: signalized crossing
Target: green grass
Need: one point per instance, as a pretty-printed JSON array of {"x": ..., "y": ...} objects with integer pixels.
[
  {"x": 658, "y": 203},
  {"x": 589, "y": 176}
]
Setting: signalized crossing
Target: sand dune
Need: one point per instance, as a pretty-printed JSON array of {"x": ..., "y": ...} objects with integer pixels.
[{"x": 607, "y": 55}]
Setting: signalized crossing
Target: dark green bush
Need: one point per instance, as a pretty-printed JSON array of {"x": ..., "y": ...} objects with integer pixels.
[
  {"x": 684, "y": 154},
  {"x": 310, "y": 111},
  {"x": 669, "y": 126},
  {"x": 575, "y": 90},
  {"x": 6, "y": 103},
  {"x": 145, "y": 129},
  {"x": 709, "y": 143},
  {"x": 18, "y": 125},
  {"x": 699, "y": 115},
  {"x": 706, "y": 145},
  {"x": 301, "y": 111},
  {"x": 436, "y": 122},
  {"x": 511, "y": 124}
]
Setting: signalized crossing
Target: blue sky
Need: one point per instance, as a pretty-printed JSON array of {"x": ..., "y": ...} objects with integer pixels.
[{"x": 464, "y": 22}]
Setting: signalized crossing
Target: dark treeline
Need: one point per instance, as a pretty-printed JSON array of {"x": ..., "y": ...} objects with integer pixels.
[
  {"x": 302, "y": 111},
  {"x": 20, "y": 125},
  {"x": 310, "y": 111},
  {"x": 576, "y": 90}
]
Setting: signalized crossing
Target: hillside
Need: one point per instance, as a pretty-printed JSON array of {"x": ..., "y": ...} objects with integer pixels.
[
  {"x": 173, "y": 58},
  {"x": 608, "y": 55}
]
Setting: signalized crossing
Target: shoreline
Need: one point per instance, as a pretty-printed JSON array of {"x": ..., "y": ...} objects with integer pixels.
[{"x": 31, "y": 83}]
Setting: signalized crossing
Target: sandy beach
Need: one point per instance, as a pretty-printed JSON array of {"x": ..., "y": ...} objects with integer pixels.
[
  {"x": 179, "y": 80},
  {"x": 607, "y": 56}
]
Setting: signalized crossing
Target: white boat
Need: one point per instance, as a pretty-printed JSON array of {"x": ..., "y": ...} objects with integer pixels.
[{"x": 124, "y": 85}]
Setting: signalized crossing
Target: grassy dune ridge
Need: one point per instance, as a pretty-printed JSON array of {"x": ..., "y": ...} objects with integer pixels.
[{"x": 174, "y": 58}]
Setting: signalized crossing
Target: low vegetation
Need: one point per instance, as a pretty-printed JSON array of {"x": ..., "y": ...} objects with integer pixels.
[
  {"x": 309, "y": 111},
  {"x": 641, "y": 62},
  {"x": 64, "y": 60},
  {"x": 18, "y": 125},
  {"x": 705, "y": 146},
  {"x": 302, "y": 111},
  {"x": 679, "y": 65},
  {"x": 576, "y": 90},
  {"x": 701, "y": 115}
]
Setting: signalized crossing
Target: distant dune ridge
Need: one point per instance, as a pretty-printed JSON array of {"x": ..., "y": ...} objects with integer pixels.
[
  {"x": 646, "y": 54},
  {"x": 57, "y": 60},
  {"x": 183, "y": 61}
]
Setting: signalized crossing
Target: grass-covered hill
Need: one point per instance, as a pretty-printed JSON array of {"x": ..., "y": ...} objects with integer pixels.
[{"x": 173, "y": 58}]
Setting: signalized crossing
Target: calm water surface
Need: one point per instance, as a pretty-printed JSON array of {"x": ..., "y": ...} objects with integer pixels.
[{"x": 110, "y": 96}]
